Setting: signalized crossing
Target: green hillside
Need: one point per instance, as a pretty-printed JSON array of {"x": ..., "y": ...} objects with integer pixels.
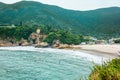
[{"x": 100, "y": 22}]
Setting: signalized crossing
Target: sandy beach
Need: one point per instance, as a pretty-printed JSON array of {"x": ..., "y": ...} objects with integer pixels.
[{"x": 109, "y": 50}]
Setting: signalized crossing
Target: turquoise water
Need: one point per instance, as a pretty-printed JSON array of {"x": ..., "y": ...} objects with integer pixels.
[{"x": 43, "y": 64}]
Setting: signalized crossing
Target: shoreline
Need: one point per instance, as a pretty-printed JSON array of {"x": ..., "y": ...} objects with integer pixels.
[
  {"x": 89, "y": 49},
  {"x": 93, "y": 56}
]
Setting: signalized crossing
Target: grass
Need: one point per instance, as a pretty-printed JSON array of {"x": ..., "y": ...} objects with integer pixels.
[{"x": 107, "y": 71}]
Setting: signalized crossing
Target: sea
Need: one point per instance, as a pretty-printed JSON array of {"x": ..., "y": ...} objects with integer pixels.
[{"x": 30, "y": 63}]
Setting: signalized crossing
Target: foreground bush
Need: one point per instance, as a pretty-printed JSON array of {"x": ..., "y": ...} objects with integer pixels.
[
  {"x": 117, "y": 40},
  {"x": 107, "y": 71}
]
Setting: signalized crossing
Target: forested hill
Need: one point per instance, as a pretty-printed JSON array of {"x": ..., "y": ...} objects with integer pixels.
[{"x": 98, "y": 22}]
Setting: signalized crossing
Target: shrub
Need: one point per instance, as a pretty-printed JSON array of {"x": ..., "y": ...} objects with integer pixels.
[{"x": 107, "y": 71}]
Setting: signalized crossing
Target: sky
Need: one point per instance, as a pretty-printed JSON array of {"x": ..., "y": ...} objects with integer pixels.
[{"x": 76, "y": 4}]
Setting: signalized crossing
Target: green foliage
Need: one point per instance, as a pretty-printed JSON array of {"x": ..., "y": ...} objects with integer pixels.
[
  {"x": 7, "y": 33},
  {"x": 50, "y": 38},
  {"x": 46, "y": 29},
  {"x": 107, "y": 71},
  {"x": 23, "y": 32},
  {"x": 64, "y": 36},
  {"x": 15, "y": 33}
]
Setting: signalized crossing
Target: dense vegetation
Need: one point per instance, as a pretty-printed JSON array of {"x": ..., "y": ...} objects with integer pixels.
[
  {"x": 99, "y": 23},
  {"x": 23, "y": 31},
  {"x": 17, "y": 33},
  {"x": 64, "y": 36},
  {"x": 107, "y": 71}
]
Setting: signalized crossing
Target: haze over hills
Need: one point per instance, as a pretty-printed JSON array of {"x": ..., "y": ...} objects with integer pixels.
[{"x": 98, "y": 22}]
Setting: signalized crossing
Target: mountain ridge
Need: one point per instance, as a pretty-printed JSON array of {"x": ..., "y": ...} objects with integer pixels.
[
  {"x": 103, "y": 21},
  {"x": 58, "y": 6}
]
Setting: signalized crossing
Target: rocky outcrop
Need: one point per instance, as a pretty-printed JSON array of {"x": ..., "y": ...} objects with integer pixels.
[
  {"x": 36, "y": 38},
  {"x": 65, "y": 46},
  {"x": 23, "y": 42},
  {"x": 5, "y": 43},
  {"x": 56, "y": 44},
  {"x": 42, "y": 45},
  {"x": 33, "y": 36}
]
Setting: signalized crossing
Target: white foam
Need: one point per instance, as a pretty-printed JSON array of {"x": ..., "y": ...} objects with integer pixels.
[{"x": 76, "y": 54}]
